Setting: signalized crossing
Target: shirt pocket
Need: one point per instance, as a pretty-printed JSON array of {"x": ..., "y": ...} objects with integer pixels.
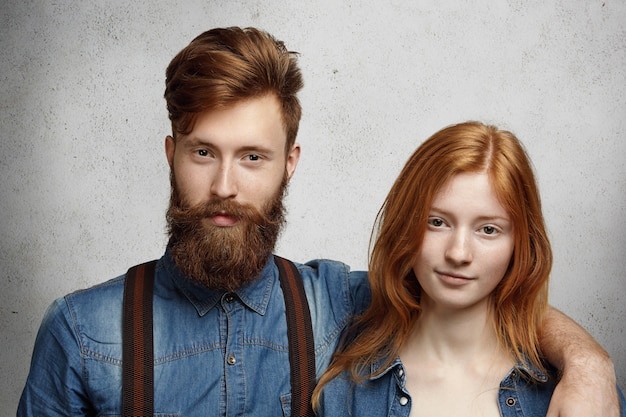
[
  {"x": 285, "y": 402},
  {"x": 155, "y": 415}
]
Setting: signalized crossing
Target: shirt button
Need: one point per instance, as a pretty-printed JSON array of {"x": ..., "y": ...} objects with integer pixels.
[
  {"x": 229, "y": 298},
  {"x": 400, "y": 372},
  {"x": 231, "y": 359},
  {"x": 404, "y": 400},
  {"x": 510, "y": 401}
]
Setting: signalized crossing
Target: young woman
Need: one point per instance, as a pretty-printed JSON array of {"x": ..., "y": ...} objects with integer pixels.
[{"x": 459, "y": 276}]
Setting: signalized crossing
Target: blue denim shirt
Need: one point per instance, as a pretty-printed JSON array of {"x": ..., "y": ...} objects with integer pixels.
[
  {"x": 520, "y": 395},
  {"x": 215, "y": 353}
]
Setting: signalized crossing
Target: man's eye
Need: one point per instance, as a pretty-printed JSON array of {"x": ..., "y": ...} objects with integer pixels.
[
  {"x": 253, "y": 157},
  {"x": 203, "y": 152}
]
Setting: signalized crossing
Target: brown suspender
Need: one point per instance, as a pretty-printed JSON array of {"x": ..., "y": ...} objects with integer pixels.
[
  {"x": 137, "y": 346},
  {"x": 138, "y": 349},
  {"x": 300, "y": 337}
]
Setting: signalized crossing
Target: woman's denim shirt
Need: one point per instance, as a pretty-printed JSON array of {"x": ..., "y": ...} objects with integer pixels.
[
  {"x": 520, "y": 395},
  {"x": 215, "y": 353}
]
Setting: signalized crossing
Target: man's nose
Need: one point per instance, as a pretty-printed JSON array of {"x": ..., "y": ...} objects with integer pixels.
[{"x": 224, "y": 183}]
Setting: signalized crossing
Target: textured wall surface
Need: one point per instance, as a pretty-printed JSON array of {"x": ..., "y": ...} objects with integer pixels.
[{"x": 85, "y": 181}]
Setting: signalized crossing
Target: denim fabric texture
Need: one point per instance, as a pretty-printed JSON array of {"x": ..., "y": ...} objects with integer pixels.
[
  {"x": 215, "y": 353},
  {"x": 385, "y": 395}
]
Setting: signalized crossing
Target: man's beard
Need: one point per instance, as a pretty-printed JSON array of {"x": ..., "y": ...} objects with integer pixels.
[{"x": 223, "y": 258}]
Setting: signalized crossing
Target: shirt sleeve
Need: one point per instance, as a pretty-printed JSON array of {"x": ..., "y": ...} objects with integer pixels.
[{"x": 55, "y": 384}]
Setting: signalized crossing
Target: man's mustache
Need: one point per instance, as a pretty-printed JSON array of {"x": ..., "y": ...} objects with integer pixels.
[{"x": 244, "y": 212}]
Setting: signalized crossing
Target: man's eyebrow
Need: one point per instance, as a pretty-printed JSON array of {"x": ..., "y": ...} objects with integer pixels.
[
  {"x": 256, "y": 148},
  {"x": 194, "y": 141}
]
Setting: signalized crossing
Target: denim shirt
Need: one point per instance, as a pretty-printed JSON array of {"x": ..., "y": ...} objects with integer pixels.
[
  {"x": 215, "y": 353},
  {"x": 520, "y": 394}
]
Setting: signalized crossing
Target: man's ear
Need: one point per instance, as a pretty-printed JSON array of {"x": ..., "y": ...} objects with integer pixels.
[
  {"x": 292, "y": 159},
  {"x": 170, "y": 147}
]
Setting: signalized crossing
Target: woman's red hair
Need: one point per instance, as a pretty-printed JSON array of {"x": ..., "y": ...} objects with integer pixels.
[{"x": 518, "y": 302}]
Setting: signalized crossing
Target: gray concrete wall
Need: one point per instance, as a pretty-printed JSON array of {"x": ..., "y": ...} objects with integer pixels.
[{"x": 85, "y": 181}]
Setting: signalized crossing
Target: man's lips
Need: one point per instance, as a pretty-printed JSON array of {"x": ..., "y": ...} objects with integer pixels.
[{"x": 224, "y": 220}]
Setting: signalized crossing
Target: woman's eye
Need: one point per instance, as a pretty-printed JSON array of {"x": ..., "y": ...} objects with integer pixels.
[
  {"x": 435, "y": 222},
  {"x": 489, "y": 230},
  {"x": 203, "y": 152}
]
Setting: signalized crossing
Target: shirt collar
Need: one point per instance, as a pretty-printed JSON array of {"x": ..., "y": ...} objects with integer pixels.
[
  {"x": 377, "y": 369},
  {"x": 255, "y": 294},
  {"x": 527, "y": 368},
  {"x": 531, "y": 371}
]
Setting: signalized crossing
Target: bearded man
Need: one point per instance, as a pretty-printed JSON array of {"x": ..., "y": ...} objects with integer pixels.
[{"x": 221, "y": 345}]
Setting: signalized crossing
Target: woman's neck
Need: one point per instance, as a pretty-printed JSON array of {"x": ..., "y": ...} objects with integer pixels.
[
  {"x": 454, "y": 336},
  {"x": 454, "y": 363}
]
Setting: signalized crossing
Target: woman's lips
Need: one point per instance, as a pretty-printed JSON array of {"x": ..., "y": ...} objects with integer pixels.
[{"x": 452, "y": 278}]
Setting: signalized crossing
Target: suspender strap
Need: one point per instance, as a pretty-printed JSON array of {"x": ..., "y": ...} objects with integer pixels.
[
  {"x": 138, "y": 349},
  {"x": 137, "y": 343},
  {"x": 300, "y": 337}
]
